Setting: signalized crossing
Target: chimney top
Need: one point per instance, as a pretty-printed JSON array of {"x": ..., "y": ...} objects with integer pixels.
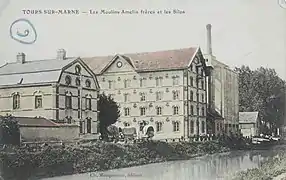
[
  {"x": 21, "y": 57},
  {"x": 209, "y": 39},
  {"x": 61, "y": 54}
]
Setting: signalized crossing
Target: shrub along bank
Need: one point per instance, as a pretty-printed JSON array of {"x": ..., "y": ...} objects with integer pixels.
[
  {"x": 268, "y": 170},
  {"x": 24, "y": 163}
]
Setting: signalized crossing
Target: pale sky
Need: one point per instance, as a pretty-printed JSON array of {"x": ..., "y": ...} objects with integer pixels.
[{"x": 250, "y": 32}]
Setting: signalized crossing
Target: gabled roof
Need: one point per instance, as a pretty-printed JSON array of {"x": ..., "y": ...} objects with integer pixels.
[
  {"x": 248, "y": 117},
  {"x": 148, "y": 61},
  {"x": 32, "y": 72}
]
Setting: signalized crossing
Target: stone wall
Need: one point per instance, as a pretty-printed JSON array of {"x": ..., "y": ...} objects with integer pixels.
[{"x": 62, "y": 132}]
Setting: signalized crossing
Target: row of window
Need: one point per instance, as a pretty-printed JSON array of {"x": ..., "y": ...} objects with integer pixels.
[
  {"x": 39, "y": 102},
  {"x": 159, "y": 96},
  {"x": 68, "y": 80},
  {"x": 159, "y": 82},
  {"x": 176, "y": 127},
  {"x": 159, "y": 111}
]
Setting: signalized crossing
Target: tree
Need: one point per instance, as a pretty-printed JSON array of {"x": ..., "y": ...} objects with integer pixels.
[
  {"x": 10, "y": 130},
  {"x": 262, "y": 90},
  {"x": 108, "y": 113}
]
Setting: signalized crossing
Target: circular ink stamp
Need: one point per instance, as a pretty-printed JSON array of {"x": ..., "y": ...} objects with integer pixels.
[
  {"x": 23, "y": 31},
  {"x": 282, "y": 3}
]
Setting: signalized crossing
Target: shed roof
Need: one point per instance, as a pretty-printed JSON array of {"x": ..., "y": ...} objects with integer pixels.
[{"x": 35, "y": 122}]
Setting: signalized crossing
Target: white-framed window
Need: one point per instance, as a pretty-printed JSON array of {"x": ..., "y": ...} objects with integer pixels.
[
  {"x": 176, "y": 80},
  {"x": 142, "y": 82},
  {"x": 203, "y": 98},
  {"x": 110, "y": 84},
  {"x": 126, "y": 111},
  {"x": 142, "y": 111},
  {"x": 159, "y": 96},
  {"x": 175, "y": 95},
  {"x": 159, "y": 126},
  {"x": 159, "y": 110},
  {"x": 38, "y": 101},
  {"x": 176, "y": 126},
  {"x": 191, "y": 81},
  {"x": 68, "y": 101},
  {"x": 192, "y": 126},
  {"x": 142, "y": 97},
  {"x": 203, "y": 111},
  {"x": 127, "y": 83},
  {"x": 175, "y": 110},
  {"x": 203, "y": 127},
  {"x": 192, "y": 110},
  {"x": 191, "y": 95},
  {"x": 126, "y": 97},
  {"x": 16, "y": 101},
  {"x": 159, "y": 81},
  {"x": 88, "y": 103}
]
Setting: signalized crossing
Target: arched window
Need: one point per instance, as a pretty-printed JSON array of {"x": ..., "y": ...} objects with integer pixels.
[
  {"x": 175, "y": 110},
  {"x": 88, "y": 102},
  {"x": 77, "y": 69},
  {"x": 192, "y": 110},
  {"x": 38, "y": 101},
  {"x": 192, "y": 127},
  {"x": 87, "y": 83},
  {"x": 176, "y": 126},
  {"x": 203, "y": 127},
  {"x": 68, "y": 80},
  {"x": 77, "y": 81},
  {"x": 68, "y": 101},
  {"x": 203, "y": 111},
  {"x": 16, "y": 101},
  {"x": 88, "y": 125},
  {"x": 191, "y": 95}
]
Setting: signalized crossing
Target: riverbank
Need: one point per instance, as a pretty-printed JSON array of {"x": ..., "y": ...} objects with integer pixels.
[
  {"x": 33, "y": 163},
  {"x": 274, "y": 168}
]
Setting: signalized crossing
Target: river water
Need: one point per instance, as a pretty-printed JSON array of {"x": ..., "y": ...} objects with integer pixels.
[{"x": 210, "y": 167}]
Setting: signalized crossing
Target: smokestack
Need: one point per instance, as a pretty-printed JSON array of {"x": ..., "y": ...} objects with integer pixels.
[{"x": 209, "y": 39}]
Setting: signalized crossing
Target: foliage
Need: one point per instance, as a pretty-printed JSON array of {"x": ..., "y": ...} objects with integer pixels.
[
  {"x": 108, "y": 112},
  {"x": 10, "y": 130},
  {"x": 262, "y": 90},
  {"x": 55, "y": 161},
  {"x": 273, "y": 167}
]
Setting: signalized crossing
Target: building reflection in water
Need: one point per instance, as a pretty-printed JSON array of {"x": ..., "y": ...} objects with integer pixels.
[{"x": 219, "y": 166}]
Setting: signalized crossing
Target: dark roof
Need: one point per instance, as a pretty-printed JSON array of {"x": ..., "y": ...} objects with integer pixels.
[
  {"x": 148, "y": 61},
  {"x": 214, "y": 114},
  {"x": 248, "y": 117},
  {"x": 35, "y": 122}
]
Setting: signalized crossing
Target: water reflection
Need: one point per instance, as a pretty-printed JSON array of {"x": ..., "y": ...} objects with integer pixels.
[{"x": 219, "y": 166}]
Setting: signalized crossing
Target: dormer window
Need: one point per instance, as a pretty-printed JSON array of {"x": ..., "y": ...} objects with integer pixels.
[
  {"x": 68, "y": 80},
  {"x": 87, "y": 83},
  {"x": 77, "y": 69}
]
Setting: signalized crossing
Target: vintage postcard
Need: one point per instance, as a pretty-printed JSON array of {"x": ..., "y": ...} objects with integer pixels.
[{"x": 142, "y": 90}]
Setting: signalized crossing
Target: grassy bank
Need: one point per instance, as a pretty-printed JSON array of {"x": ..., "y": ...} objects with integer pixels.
[
  {"x": 25, "y": 163},
  {"x": 267, "y": 171}
]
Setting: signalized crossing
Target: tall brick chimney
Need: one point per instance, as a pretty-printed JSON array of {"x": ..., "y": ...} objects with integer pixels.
[{"x": 211, "y": 84}]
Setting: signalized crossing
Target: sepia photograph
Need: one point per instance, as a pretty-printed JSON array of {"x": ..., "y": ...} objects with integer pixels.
[{"x": 143, "y": 90}]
